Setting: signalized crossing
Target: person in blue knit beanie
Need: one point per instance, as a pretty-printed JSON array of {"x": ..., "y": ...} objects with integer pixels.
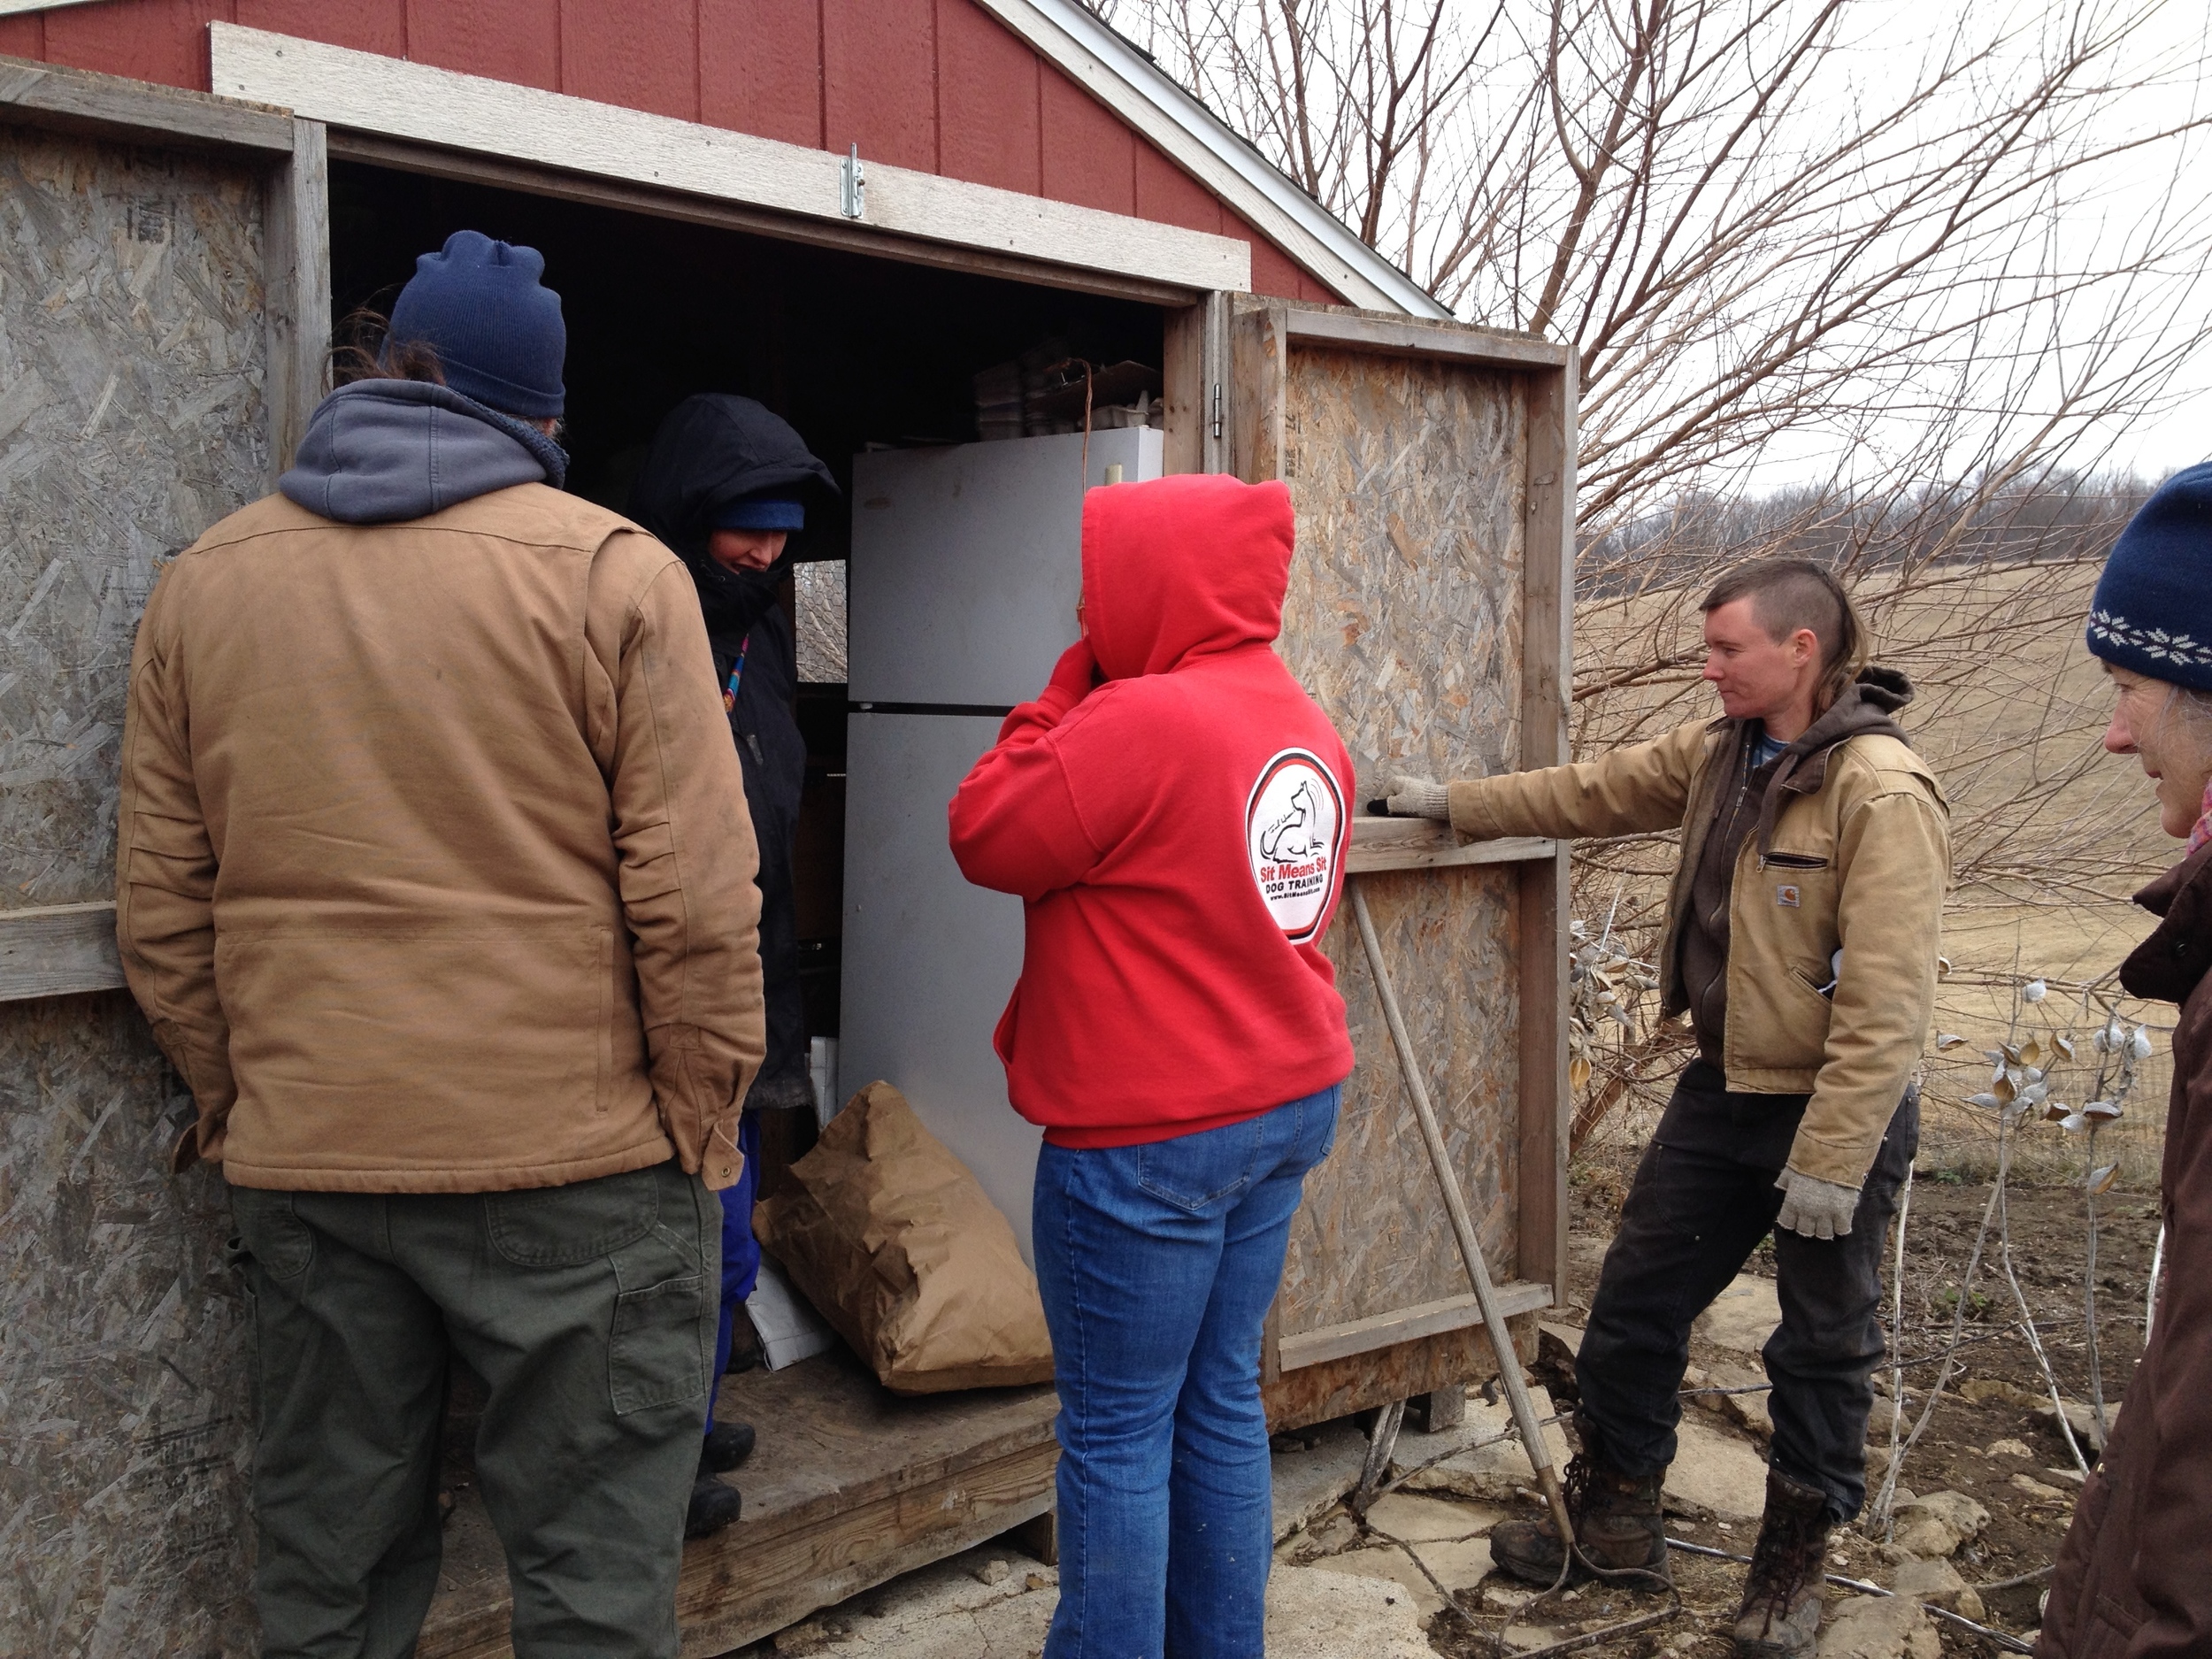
[
  {"x": 496, "y": 329},
  {"x": 2131, "y": 1577}
]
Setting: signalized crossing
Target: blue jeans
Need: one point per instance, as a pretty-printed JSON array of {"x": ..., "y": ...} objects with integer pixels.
[
  {"x": 741, "y": 1252},
  {"x": 1157, "y": 1263}
]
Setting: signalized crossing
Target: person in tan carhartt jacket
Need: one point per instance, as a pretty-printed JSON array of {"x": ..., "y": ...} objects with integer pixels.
[
  {"x": 1801, "y": 939},
  {"x": 435, "y": 880}
]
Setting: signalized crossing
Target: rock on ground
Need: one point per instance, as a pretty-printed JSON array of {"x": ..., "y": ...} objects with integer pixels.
[
  {"x": 1743, "y": 1315},
  {"x": 1315, "y": 1613},
  {"x": 1938, "y": 1583},
  {"x": 1421, "y": 1520},
  {"x": 1489, "y": 1474},
  {"x": 988, "y": 1603},
  {"x": 1936, "y": 1525},
  {"x": 1715, "y": 1471},
  {"x": 1309, "y": 1481},
  {"x": 1879, "y": 1627}
]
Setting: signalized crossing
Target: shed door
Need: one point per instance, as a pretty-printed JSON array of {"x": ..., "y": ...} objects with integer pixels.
[
  {"x": 1429, "y": 465},
  {"x": 135, "y": 346}
]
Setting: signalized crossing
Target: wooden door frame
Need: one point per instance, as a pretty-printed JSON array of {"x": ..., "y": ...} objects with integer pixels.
[{"x": 1416, "y": 1349}]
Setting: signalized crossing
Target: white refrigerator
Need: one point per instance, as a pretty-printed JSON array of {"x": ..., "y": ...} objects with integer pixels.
[{"x": 966, "y": 566}]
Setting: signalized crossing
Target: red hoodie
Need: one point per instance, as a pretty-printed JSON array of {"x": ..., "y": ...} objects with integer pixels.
[{"x": 1176, "y": 833}]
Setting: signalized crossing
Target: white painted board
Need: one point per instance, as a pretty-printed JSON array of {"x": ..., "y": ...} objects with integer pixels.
[
  {"x": 967, "y": 561},
  {"x": 929, "y": 960}
]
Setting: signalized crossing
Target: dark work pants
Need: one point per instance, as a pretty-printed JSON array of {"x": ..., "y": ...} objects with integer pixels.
[
  {"x": 590, "y": 1311},
  {"x": 1703, "y": 1197}
]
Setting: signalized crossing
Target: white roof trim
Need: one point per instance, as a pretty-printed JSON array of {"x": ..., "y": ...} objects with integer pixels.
[
  {"x": 367, "y": 92},
  {"x": 1140, "y": 93}
]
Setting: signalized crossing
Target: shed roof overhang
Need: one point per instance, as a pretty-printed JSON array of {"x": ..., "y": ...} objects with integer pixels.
[
  {"x": 1125, "y": 80},
  {"x": 419, "y": 103}
]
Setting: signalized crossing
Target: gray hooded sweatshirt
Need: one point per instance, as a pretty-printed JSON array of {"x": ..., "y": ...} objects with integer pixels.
[{"x": 382, "y": 451}]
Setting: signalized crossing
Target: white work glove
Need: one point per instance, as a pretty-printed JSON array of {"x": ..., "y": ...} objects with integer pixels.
[
  {"x": 1417, "y": 797},
  {"x": 1819, "y": 1210}
]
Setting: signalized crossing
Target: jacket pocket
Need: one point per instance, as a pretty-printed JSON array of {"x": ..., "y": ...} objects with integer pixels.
[
  {"x": 1793, "y": 861},
  {"x": 566, "y": 1226}
]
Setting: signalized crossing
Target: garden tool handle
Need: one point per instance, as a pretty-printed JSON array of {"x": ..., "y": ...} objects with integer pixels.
[{"x": 1464, "y": 1228}]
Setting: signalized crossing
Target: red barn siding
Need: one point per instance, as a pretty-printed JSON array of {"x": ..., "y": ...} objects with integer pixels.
[
  {"x": 939, "y": 86},
  {"x": 760, "y": 68},
  {"x": 879, "y": 87},
  {"x": 515, "y": 41},
  {"x": 367, "y": 26},
  {"x": 987, "y": 102},
  {"x": 641, "y": 54}
]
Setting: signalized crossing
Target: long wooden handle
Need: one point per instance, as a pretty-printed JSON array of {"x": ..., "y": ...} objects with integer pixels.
[{"x": 1462, "y": 1225}]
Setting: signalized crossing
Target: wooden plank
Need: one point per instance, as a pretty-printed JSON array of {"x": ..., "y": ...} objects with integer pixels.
[
  {"x": 1360, "y": 1382},
  {"x": 1219, "y": 371},
  {"x": 57, "y": 950},
  {"x": 1546, "y": 660},
  {"x": 849, "y": 1486},
  {"x": 1428, "y": 1319},
  {"x": 1183, "y": 389},
  {"x": 112, "y": 106},
  {"x": 297, "y": 282},
  {"x": 1416, "y": 337},
  {"x": 473, "y": 168},
  {"x": 386, "y": 96},
  {"x": 1417, "y": 844},
  {"x": 1260, "y": 369}
]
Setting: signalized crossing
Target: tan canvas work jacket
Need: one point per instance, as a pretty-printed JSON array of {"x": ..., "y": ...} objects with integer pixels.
[
  {"x": 435, "y": 873},
  {"x": 1852, "y": 853}
]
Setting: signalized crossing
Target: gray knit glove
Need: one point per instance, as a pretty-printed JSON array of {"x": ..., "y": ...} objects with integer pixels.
[
  {"x": 1417, "y": 798},
  {"x": 1817, "y": 1208}
]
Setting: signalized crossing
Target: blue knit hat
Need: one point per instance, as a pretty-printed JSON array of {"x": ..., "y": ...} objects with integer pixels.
[
  {"x": 773, "y": 510},
  {"x": 2153, "y": 609},
  {"x": 498, "y": 334}
]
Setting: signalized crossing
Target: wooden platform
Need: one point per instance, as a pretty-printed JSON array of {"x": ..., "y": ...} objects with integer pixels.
[{"x": 849, "y": 1485}]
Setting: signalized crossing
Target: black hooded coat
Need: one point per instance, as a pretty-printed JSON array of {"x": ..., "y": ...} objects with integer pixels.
[{"x": 712, "y": 449}]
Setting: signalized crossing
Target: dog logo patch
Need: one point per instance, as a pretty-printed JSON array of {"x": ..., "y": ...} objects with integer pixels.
[
  {"x": 1293, "y": 833},
  {"x": 1785, "y": 894}
]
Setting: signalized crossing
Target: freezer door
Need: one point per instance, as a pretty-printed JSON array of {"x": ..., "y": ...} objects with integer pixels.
[
  {"x": 929, "y": 960},
  {"x": 966, "y": 563}
]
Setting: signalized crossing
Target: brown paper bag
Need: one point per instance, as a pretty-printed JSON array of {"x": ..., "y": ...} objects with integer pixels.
[{"x": 893, "y": 1241}]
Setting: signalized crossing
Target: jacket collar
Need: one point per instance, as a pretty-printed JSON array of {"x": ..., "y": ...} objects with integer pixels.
[
  {"x": 2167, "y": 966},
  {"x": 1866, "y": 707}
]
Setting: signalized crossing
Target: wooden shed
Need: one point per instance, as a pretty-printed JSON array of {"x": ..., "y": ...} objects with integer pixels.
[{"x": 850, "y": 211}]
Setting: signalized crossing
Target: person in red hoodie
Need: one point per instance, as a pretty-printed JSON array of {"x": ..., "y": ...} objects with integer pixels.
[{"x": 1173, "y": 811}]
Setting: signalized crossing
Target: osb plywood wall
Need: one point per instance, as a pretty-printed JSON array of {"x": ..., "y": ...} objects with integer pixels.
[
  {"x": 131, "y": 366},
  {"x": 1403, "y": 620}
]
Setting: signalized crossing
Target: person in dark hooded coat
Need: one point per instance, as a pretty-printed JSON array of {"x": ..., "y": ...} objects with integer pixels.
[{"x": 727, "y": 485}]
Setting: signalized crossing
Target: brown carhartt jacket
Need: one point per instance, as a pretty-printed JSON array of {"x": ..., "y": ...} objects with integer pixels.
[
  {"x": 435, "y": 873},
  {"x": 1851, "y": 852},
  {"x": 2134, "y": 1578}
]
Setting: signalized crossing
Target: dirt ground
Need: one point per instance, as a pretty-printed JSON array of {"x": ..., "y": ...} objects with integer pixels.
[{"x": 1994, "y": 1447}]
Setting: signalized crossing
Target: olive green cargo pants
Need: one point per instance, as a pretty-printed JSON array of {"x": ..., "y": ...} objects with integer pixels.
[{"x": 590, "y": 1311}]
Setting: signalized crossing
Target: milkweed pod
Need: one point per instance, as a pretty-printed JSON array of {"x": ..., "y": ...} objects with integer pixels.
[{"x": 2139, "y": 1044}]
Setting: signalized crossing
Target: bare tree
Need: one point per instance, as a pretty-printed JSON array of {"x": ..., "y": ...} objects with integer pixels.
[{"x": 1925, "y": 264}]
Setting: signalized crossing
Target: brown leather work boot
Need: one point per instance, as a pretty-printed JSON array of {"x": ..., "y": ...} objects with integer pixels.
[
  {"x": 1780, "y": 1619},
  {"x": 1616, "y": 1524}
]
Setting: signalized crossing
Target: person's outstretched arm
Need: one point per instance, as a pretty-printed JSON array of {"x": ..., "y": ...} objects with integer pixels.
[{"x": 1643, "y": 788}]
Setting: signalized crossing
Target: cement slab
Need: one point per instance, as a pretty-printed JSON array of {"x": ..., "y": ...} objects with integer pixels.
[
  {"x": 1315, "y": 1613},
  {"x": 1742, "y": 1316},
  {"x": 1715, "y": 1472},
  {"x": 1308, "y": 1482}
]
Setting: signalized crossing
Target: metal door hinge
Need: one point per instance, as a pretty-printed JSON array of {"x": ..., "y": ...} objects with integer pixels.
[
  {"x": 1217, "y": 409},
  {"x": 852, "y": 199}
]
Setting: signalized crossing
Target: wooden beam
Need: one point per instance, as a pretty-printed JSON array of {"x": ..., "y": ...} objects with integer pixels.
[
  {"x": 298, "y": 285},
  {"x": 1360, "y": 1382},
  {"x": 367, "y": 92},
  {"x": 473, "y": 168},
  {"x": 1419, "y": 843},
  {"x": 1546, "y": 658},
  {"x": 1256, "y": 395},
  {"x": 110, "y": 106},
  {"x": 1412, "y": 337},
  {"x": 1428, "y": 1319},
  {"x": 1183, "y": 389},
  {"x": 57, "y": 950}
]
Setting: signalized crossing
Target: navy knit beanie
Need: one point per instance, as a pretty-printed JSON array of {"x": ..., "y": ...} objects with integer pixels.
[
  {"x": 2153, "y": 609},
  {"x": 497, "y": 332}
]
